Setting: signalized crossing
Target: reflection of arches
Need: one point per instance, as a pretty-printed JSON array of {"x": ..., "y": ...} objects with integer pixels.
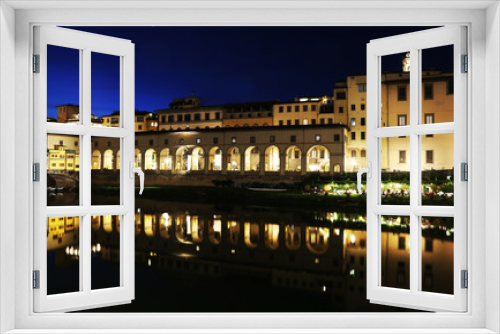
[
  {"x": 252, "y": 159},
  {"x": 214, "y": 230},
  {"x": 292, "y": 237},
  {"x": 182, "y": 161},
  {"x": 318, "y": 159},
  {"x": 251, "y": 234},
  {"x": 363, "y": 153},
  {"x": 272, "y": 159},
  {"x": 165, "y": 225},
  {"x": 95, "y": 222},
  {"x": 336, "y": 168},
  {"x": 137, "y": 223},
  {"x": 197, "y": 229},
  {"x": 183, "y": 229},
  {"x": 108, "y": 160},
  {"x": 165, "y": 159},
  {"x": 215, "y": 159},
  {"x": 138, "y": 158},
  {"x": 150, "y": 160},
  {"x": 233, "y": 229},
  {"x": 233, "y": 159},
  {"x": 118, "y": 160},
  {"x": 107, "y": 223},
  {"x": 198, "y": 159},
  {"x": 96, "y": 160},
  {"x": 271, "y": 235},
  {"x": 293, "y": 161},
  {"x": 317, "y": 239},
  {"x": 149, "y": 225}
]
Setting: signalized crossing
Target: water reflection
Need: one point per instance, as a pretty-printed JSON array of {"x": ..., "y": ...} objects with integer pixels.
[{"x": 259, "y": 253}]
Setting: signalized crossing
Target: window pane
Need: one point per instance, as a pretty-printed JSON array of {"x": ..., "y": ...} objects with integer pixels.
[
  {"x": 105, "y": 162},
  {"x": 395, "y": 89},
  {"x": 437, "y": 169},
  {"x": 63, "y": 170},
  {"x": 63, "y": 255},
  {"x": 437, "y": 254},
  {"x": 63, "y": 85},
  {"x": 437, "y": 85},
  {"x": 105, "y": 240},
  {"x": 395, "y": 175},
  {"x": 395, "y": 251},
  {"x": 106, "y": 90}
]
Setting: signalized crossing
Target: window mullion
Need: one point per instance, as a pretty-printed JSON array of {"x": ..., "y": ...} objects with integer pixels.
[{"x": 414, "y": 170}]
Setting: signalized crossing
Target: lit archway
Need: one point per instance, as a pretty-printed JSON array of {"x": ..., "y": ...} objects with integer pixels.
[
  {"x": 215, "y": 159},
  {"x": 182, "y": 159},
  {"x": 317, "y": 239},
  {"x": 183, "y": 229},
  {"x": 108, "y": 160},
  {"x": 165, "y": 225},
  {"x": 107, "y": 223},
  {"x": 165, "y": 159},
  {"x": 150, "y": 160},
  {"x": 272, "y": 159},
  {"x": 251, "y": 234},
  {"x": 292, "y": 237},
  {"x": 233, "y": 229},
  {"x": 198, "y": 159},
  {"x": 149, "y": 225},
  {"x": 138, "y": 158},
  {"x": 96, "y": 160},
  {"x": 252, "y": 159},
  {"x": 336, "y": 168},
  {"x": 118, "y": 159},
  {"x": 318, "y": 159},
  {"x": 271, "y": 236},
  {"x": 233, "y": 159},
  {"x": 215, "y": 230},
  {"x": 293, "y": 162}
]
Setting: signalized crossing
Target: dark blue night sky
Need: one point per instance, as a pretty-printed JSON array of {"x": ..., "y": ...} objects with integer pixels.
[{"x": 221, "y": 64}]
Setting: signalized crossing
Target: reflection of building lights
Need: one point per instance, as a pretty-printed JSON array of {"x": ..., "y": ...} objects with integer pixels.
[
  {"x": 98, "y": 247},
  {"x": 188, "y": 225},
  {"x": 324, "y": 288},
  {"x": 352, "y": 239},
  {"x": 197, "y": 248},
  {"x": 233, "y": 251},
  {"x": 149, "y": 262},
  {"x": 336, "y": 231},
  {"x": 352, "y": 272},
  {"x": 316, "y": 260}
]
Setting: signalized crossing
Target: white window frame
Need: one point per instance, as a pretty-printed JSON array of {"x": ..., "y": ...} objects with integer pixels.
[{"x": 484, "y": 48}]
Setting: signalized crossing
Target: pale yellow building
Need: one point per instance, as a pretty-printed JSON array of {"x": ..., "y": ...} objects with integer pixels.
[
  {"x": 194, "y": 117},
  {"x": 63, "y": 153},
  {"x": 144, "y": 121},
  {"x": 304, "y": 111}
]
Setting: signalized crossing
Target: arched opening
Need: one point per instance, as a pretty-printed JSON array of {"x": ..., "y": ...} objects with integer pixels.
[
  {"x": 317, "y": 239},
  {"x": 292, "y": 237},
  {"x": 215, "y": 159},
  {"x": 149, "y": 225},
  {"x": 138, "y": 158},
  {"x": 214, "y": 230},
  {"x": 233, "y": 159},
  {"x": 150, "y": 159},
  {"x": 293, "y": 162},
  {"x": 336, "y": 168},
  {"x": 251, "y": 234},
  {"x": 166, "y": 159},
  {"x": 183, "y": 229},
  {"x": 233, "y": 229},
  {"x": 96, "y": 160},
  {"x": 272, "y": 159},
  {"x": 271, "y": 236},
  {"x": 318, "y": 159},
  {"x": 108, "y": 160},
  {"x": 138, "y": 220},
  {"x": 165, "y": 225},
  {"x": 363, "y": 153},
  {"x": 353, "y": 154},
  {"x": 118, "y": 221},
  {"x": 182, "y": 160},
  {"x": 197, "y": 229},
  {"x": 252, "y": 159},
  {"x": 198, "y": 159},
  {"x": 118, "y": 159},
  {"x": 95, "y": 223}
]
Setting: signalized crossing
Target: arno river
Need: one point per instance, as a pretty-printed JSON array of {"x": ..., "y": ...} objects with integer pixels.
[{"x": 204, "y": 258}]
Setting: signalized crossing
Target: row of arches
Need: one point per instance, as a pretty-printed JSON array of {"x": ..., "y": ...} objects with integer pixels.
[{"x": 187, "y": 158}]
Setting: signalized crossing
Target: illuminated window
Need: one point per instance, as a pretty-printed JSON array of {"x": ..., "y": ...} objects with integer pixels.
[
  {"x": 401, "y": 120},
  {"x": 353, "y": 121},
  {"x": 318, "y": 137},
  {"x": 402, "y": 157}
]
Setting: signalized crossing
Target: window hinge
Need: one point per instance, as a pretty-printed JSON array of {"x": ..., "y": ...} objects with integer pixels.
[
  {"x": 36, "y": 279},
  {"x": 464, "y": 171},
  {"x": 36, "y": 63},
  {"x": 465, "y": 279},
  {"x": 36, "y": 172},
  {"x": 465, "y": 63}
]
